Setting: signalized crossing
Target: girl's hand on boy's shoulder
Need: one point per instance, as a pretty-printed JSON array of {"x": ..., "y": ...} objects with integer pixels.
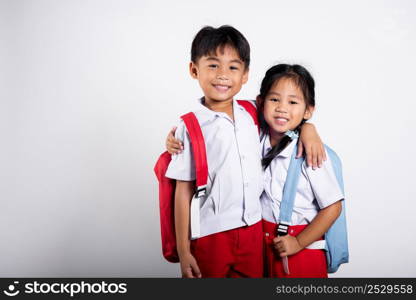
[
  {"x": 189, "y": 266},
  {"x": 286, "y": 245},
  {"x": 311, "y": 144},
  {"x": 173, "y": 145}
]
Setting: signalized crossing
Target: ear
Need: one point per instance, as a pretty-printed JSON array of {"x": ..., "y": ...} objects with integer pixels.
[
  {"x": 308, "y": 112},
  {"x": 193, "y": 70},
  {"x": 258, "y": 101},
  {"x": 245, "y": 76}
]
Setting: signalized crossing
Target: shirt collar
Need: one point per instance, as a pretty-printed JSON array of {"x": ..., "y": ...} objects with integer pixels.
[
  {"x": 212, "y": 114},
  {"x": 287, "y": 152}
]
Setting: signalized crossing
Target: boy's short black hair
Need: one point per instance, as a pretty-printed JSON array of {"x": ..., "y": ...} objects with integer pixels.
[{"x": 209, "y": 39}]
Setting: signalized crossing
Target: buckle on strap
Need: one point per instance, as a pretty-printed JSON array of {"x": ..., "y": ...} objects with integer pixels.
[
  {"x": 283, "y": 229},
  {"x": 201, "y": 191}
]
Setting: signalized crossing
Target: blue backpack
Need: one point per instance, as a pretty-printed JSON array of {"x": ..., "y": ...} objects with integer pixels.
[{"x": 336, "y": 240}]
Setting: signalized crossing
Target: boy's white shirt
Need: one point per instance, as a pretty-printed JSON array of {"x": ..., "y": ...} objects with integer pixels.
[
  {"x": 317, "y": 188},
  {"x": 235, "y": 176}
]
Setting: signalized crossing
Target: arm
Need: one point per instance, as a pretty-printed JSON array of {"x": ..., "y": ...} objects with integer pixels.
[
  {"x": 183, "y": 195},
  {"x": 310, "y": 142},
  {"x": 289, "y": 245}
]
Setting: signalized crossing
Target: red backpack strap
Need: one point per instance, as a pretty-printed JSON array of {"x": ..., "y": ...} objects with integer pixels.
[
  {"x": 251, "y": 109},
  {"x": 200, "y": 155}
]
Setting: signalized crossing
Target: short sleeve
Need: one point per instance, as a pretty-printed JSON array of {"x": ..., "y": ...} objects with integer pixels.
[
  {"x": 324, "y": 183},
  {"x": 182, "y": 166}
]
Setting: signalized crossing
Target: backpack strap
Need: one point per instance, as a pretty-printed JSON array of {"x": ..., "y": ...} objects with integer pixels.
[
  {"x": 199, "y": 151},
  {"x": 251, "y": 109},
  {"x": 288, "y": 200},
  {"x": 201, "y": 170},
  {"x": 289, "y": 193}
]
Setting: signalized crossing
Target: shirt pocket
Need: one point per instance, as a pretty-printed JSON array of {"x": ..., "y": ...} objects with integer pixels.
[
  {"x": 276, "y": 187},
  {"x": 213, "y": 201}
]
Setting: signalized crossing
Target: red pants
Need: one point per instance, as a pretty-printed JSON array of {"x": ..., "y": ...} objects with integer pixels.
[
  {"x": 232, "y": 253},
  {"x": 307, "y": 263}
]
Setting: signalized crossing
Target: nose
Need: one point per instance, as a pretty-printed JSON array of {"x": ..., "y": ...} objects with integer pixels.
[
  {"x": 222, "y": 74},
  {"x": 281, "y": 107}
]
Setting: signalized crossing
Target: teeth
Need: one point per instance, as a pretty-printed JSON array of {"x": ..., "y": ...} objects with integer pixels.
[
  {"x": 281, "y": 119},
  {"x": 221, "y": 87}
]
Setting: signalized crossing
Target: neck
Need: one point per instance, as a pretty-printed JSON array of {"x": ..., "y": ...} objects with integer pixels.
[
  {"x": 275, "y": 137},
  {"x": 220, "y": 106}
]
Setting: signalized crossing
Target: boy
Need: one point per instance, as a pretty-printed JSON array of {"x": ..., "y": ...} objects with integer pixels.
[{"x": 230, "y": 241}]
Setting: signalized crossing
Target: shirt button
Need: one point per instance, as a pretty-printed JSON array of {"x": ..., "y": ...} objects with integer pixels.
[
  {"x": 243, "y": 156},
  {"x": 245, "y": 184}
]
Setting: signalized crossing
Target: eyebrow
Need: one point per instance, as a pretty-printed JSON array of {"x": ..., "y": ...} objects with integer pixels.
[
  {"x": 277, "y": 94},
  {"x": 237, "y": 61},
  {"x": 212, "y": 58},
  {"x": 216, "y": 59}
]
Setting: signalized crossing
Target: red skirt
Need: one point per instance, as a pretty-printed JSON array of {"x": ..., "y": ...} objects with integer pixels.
[{"x": 307, "y": 263}]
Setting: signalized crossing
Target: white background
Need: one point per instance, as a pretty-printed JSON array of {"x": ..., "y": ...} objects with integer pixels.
[{"x": 89, "y": 90}]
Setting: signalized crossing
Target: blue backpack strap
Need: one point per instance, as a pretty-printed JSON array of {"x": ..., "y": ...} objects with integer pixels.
[{"x": 289, "y": 193}]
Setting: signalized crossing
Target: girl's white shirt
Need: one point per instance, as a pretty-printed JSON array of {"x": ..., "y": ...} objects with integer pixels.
[{"x": 317, "y": 189}]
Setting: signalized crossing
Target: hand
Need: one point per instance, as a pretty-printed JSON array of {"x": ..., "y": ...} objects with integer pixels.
[
  {"x": 189, "y": 266},
  {"x": 311, "y": 142},
  {"x": 173, "y": 146},
  {"x": 286, "y": 245}
]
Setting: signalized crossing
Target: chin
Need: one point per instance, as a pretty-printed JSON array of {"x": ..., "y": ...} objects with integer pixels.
[
  {"x": 221, "y": 99},
  {"x": 279, "y": 130}
]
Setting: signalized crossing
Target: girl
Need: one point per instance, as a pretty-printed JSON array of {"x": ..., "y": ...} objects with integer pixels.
[{"x": 286, "y": 101}]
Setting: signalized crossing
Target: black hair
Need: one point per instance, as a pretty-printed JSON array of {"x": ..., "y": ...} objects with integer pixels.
[
  {"x": 303, "y": 79},
  {"x": 209, "y": 39}
]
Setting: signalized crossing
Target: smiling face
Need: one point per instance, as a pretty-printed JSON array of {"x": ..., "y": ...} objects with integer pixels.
[
  {"x": 285, "y": 107},
  {"x": 220, "y": 75}
]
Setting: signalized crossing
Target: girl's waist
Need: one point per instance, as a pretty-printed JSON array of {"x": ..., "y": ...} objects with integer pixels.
[{"x": 270, "y": 230}]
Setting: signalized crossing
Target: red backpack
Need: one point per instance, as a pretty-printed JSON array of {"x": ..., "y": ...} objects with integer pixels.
[{"x": 167, "y": 185}]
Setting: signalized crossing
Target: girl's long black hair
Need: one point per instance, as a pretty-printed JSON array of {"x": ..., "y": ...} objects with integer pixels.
[{"x": 303, "y": 79}]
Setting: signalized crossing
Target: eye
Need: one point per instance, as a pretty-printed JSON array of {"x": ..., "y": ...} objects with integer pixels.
[
  {"x": 233, "y": 68},
  {"x": 293, "y": 102},
  {"x": 213, "y": 66},
  {"x": 274, "y": 99}
]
